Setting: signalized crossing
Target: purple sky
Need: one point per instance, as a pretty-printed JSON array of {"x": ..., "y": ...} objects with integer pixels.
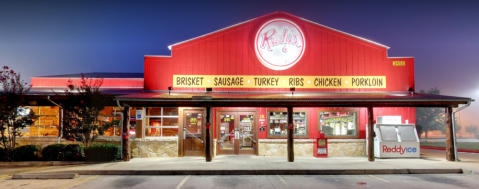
[{"x": 60, "y": 37}]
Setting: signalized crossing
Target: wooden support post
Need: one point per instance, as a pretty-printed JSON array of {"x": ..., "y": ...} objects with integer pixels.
[
  {"x": 207, "y": 137},
  {"x": 371, "y": 134},
  {"x": 449, "y": 136},
  {"x": 290, "y": 135},
  {"x": 125, "y": 135}
]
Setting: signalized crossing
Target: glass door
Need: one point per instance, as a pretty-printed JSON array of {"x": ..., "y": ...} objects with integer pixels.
[
  {"x": 193, "y": 133},
  {"x": 226, "y": 133},
  {"x": 236, "y": 133},
  {"x": 246, "y": 138}
]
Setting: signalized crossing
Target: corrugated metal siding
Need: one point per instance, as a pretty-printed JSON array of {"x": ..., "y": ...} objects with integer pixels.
[{"x": 329, "y": 53}]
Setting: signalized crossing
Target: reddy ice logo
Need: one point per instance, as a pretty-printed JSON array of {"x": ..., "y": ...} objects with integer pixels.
[
  {"x": 279, "y": 44},
  {"x": 399, "y": 150}
]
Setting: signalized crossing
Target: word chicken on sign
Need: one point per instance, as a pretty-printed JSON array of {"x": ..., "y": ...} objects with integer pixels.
[{"x": 279, "y": 44}]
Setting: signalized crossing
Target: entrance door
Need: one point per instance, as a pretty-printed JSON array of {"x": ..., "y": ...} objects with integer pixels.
[
  {"x": 236, "y": 133},
  {"x": 193, "y": 133}
]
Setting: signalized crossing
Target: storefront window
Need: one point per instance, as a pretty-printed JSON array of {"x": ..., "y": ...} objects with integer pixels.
[
  {"x": 161, "y": 122},
  {"x": 47, "y": 123},
  {"x": 132, "y": 126},
  {"x": 338, "y": 123},
  {"x": 278, "y": 124},
  {"x": 109, "y": 114}
]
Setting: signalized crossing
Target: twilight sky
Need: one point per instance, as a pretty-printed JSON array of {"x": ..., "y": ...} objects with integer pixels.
[{"x": 59, "y": 37}]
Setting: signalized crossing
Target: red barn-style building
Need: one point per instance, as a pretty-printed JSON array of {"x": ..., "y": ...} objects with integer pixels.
[{"x": 267, "y": 86}]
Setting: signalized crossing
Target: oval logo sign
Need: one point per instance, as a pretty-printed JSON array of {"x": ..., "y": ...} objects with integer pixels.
[{"x": 279, "y": 44}]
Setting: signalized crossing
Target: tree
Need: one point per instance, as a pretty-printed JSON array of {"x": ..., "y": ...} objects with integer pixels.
[
  {"x": 419, "y": 130},
  {"x": 83, "y": 106},
  {"x": 458, "y": 128},
  {"x": 431, "y": 119},
  {"x": 472, "y": 130},
  {"x": 457, "y": 124},
  {"x": 13, "y": 118}
]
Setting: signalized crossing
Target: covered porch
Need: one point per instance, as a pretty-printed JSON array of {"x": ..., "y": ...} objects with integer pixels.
[{"x": 289, "y": 100}]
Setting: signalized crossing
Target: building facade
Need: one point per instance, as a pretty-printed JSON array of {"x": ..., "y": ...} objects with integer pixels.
[{"x": 247, "y": 74}]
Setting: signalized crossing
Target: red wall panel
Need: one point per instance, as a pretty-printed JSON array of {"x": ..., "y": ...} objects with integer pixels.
[{"x": 230, "y": 52}]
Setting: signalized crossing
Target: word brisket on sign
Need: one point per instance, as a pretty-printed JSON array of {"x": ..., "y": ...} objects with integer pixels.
[
  {"x": 279, "y": 44},
  {"x": 251, "y": 81}
]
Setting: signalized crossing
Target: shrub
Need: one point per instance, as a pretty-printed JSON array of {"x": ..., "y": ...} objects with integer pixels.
[
  {"x": 26, "y": 153},
  {"x": 102, "y": 152},
  {"x": 54, "y": 152},
  {"x": 73, "y": 152}
]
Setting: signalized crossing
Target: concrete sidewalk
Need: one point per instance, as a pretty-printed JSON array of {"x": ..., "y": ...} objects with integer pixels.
[
  {"x": 431, "y": 162},
  {"x": 260, "y": 165}
]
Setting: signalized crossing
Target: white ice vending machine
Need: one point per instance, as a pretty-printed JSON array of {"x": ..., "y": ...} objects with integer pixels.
[{"x": 395, "y": 140}]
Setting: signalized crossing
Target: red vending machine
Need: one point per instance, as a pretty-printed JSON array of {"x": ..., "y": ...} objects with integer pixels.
[{"x": 321, "y": 146}]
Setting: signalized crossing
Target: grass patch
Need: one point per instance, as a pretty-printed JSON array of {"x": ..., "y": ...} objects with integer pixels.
[{"x": 460, "y": 145}]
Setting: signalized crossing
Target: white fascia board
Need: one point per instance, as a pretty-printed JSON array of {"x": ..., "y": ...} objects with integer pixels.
[{"x": 157, "y": 56}]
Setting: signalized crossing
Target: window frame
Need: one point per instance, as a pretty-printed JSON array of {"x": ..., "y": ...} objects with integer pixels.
[
  {"x": 308, "y": 126},
  {"x": 356, "y": 136},
  {"x": 146, "y": 122},
  {"x": 39, "y": 116},
  {"x": 119, "y": 127},
  {"x": 116, "y": 115}
]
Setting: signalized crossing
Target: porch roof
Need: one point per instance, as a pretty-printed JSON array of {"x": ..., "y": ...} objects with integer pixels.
[{"x": 255, "y": 99}]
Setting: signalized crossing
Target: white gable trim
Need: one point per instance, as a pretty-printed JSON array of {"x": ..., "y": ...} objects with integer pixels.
[{"x": 367, "y": 40}]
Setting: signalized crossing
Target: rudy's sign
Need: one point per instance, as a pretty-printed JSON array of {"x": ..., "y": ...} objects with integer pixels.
[
  {"x": 252, "y": 81},
  {"x": 279, "y": 44}
]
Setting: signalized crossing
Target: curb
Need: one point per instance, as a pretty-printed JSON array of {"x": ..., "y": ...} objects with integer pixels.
[
  {"x": 265, "y": 172},
  {"x": 48, "y": 163},
  {"x": 46, "y": 176}
]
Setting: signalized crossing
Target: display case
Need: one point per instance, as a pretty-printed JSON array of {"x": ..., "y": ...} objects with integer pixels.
[
  {"x": 278, "y": 124},
  {"x": 338, "y": 123}
]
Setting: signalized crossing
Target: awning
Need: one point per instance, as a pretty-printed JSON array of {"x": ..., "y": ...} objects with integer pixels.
[{"x": 303, "y": 99}]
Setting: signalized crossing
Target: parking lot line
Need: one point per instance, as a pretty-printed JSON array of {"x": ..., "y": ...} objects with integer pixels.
[{"x": 78, "y": 182}]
